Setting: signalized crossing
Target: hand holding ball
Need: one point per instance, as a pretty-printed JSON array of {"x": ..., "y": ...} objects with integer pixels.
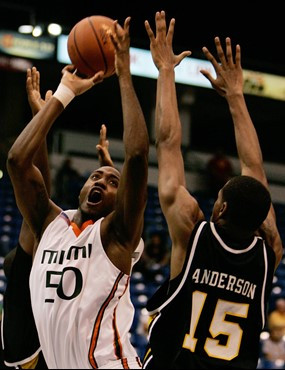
[{"x": 90, "y": 47}]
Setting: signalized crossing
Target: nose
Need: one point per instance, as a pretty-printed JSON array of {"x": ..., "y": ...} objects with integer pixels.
[{"x": 101, "y": 183}]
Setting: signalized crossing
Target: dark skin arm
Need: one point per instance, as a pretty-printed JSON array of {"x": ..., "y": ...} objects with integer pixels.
[
  {"x": 30, "y": 190},
  {"x": 122, "y": 229},
  {"x": 26, "y": 237},
  {"x": 179, "y": 207},
  {"x": 229, "y": 84}
]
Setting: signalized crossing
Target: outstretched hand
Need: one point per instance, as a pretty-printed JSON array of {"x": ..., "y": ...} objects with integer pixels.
[
  {"x": 120, "y": 37},
  {"x": 78, "y": 84},
  {"x": 161, "y": 43},
  {"x": 229, "y": 78},
  {"x": 103, "y": 148},
  {"x": 33, "y": 90}
]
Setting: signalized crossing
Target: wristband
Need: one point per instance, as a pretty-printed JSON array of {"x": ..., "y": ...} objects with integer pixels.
[{"x": 64, "y": 94}]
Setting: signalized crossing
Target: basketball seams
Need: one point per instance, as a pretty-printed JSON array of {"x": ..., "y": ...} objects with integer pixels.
[
  {"x": 79, "y": 53},
  {"x": 99, "y": 44},
  {"x": 90, "y": 47}
]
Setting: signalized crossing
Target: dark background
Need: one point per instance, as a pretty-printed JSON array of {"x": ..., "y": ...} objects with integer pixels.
[{"x": 257, "y": 26}]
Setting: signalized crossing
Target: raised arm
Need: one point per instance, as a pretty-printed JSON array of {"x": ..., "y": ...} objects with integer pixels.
[
  {"x": 30, "y": 190},
  {"x": 36, "y": 103},
  {"x": 179, "y": 207},
  {"x": 132, "y": 191},
  {"x": 229, "y": 84},
  {"x": 26, "y": 237}
]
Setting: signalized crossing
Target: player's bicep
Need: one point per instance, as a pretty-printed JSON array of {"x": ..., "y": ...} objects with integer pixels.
[
  {"x": 256, "y": 172},
  {"x": 181, "y": 215},
  {"x": 171, "y": 173},
  {"x": 270, "y": 233}
]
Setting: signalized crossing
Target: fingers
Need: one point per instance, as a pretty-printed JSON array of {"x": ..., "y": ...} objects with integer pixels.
[
  {"x": 229, "y": 54},
  {"x": 170, "y": 31},
  {"x": 208, "y": 75},
  {"x": 160, "y": 24},
  {"x": 211, "y": 58},
  {"x": 33, "y": 80},
  {"x": 149, "y": 30},
  {"x": 220, "y": 51},
  {"x": 68, "y": 68},
  {"x": 97, "y": 78},
  {"x": 36, "y": 78},
  {"x": 48, "y": 95},
  {"x": 114, "y": 35},
  {"x": 127, "y": 24},
  {"x": 103, "y": 142},
  {"x": 103, "y": 148},
  {"x": 161, "y": 29},
  {"x": 183, "y": 55},
  {"x": 29, "y": 80},
  {"x": 229, "y": 51},
  {"x": 226, "y": 57},
  {"x": 120, "y": 36},
  {"x": 238, "y": 56},
  {"x": 103, "y": 133}
]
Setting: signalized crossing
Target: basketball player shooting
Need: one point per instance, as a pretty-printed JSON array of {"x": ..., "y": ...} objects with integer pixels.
[{"x": 83, "y": 260}]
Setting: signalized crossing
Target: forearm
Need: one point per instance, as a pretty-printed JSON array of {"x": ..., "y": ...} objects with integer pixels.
[
  {"x": 167, "y": 120},
  {"x": 32, "y": 137},
  {"x": 247, "y": 142},
  {"x": 135, "y": 135},
  {"x": 168, "y": 134},
  {"x": 132, "y": 191}
]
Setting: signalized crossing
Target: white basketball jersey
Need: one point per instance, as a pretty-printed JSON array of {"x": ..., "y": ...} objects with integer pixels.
[{"x": 81, "y": 301}]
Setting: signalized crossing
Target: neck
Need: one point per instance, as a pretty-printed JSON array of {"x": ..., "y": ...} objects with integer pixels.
[
  {"x": 233, "y": 232},
  {"x": 80, "y": 218}
]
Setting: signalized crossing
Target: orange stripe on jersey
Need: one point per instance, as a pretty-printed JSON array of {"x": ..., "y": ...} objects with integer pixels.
[
  {"x": 97, "y": 324},
  {"x": 117, "y": 339},
  {"x": 139, "y": 361},
  {"x": 125, "y": 363},
  {"x": 78, "y": 230}
]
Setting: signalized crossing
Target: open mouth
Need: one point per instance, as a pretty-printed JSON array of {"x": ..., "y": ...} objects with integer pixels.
[{"x": 94, "y": 197}]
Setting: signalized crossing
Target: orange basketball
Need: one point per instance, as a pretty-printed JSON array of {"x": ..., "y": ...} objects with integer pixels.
[{"x": 90, "y": 47}]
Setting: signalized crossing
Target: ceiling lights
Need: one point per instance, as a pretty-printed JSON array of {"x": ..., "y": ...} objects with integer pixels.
[{"x": 53, "y": 29}]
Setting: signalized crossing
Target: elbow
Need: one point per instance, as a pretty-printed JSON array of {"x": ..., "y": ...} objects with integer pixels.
[
  {"x": 168, "y": 139},
  {"x": 167, "y": 193},
  {"x": 14, "y": 160},
  {"x": 139, "y": 154},
  {"x": 138, "y": 160},
  {"x": 136, "y": 144}
]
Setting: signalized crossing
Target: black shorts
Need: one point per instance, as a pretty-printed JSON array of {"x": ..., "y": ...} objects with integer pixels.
[{"x": 19, "y": 333}]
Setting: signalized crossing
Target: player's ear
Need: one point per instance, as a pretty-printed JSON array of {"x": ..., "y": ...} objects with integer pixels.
[{"x": 223, "y": 209}]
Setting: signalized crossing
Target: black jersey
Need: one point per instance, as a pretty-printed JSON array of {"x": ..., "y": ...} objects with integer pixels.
[
  {"x": 212, "y": 314},
  {"x": 18, "y": 329}
]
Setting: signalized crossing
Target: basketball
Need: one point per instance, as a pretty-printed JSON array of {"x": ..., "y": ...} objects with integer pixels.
[{"x": 90, "y": 47}]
